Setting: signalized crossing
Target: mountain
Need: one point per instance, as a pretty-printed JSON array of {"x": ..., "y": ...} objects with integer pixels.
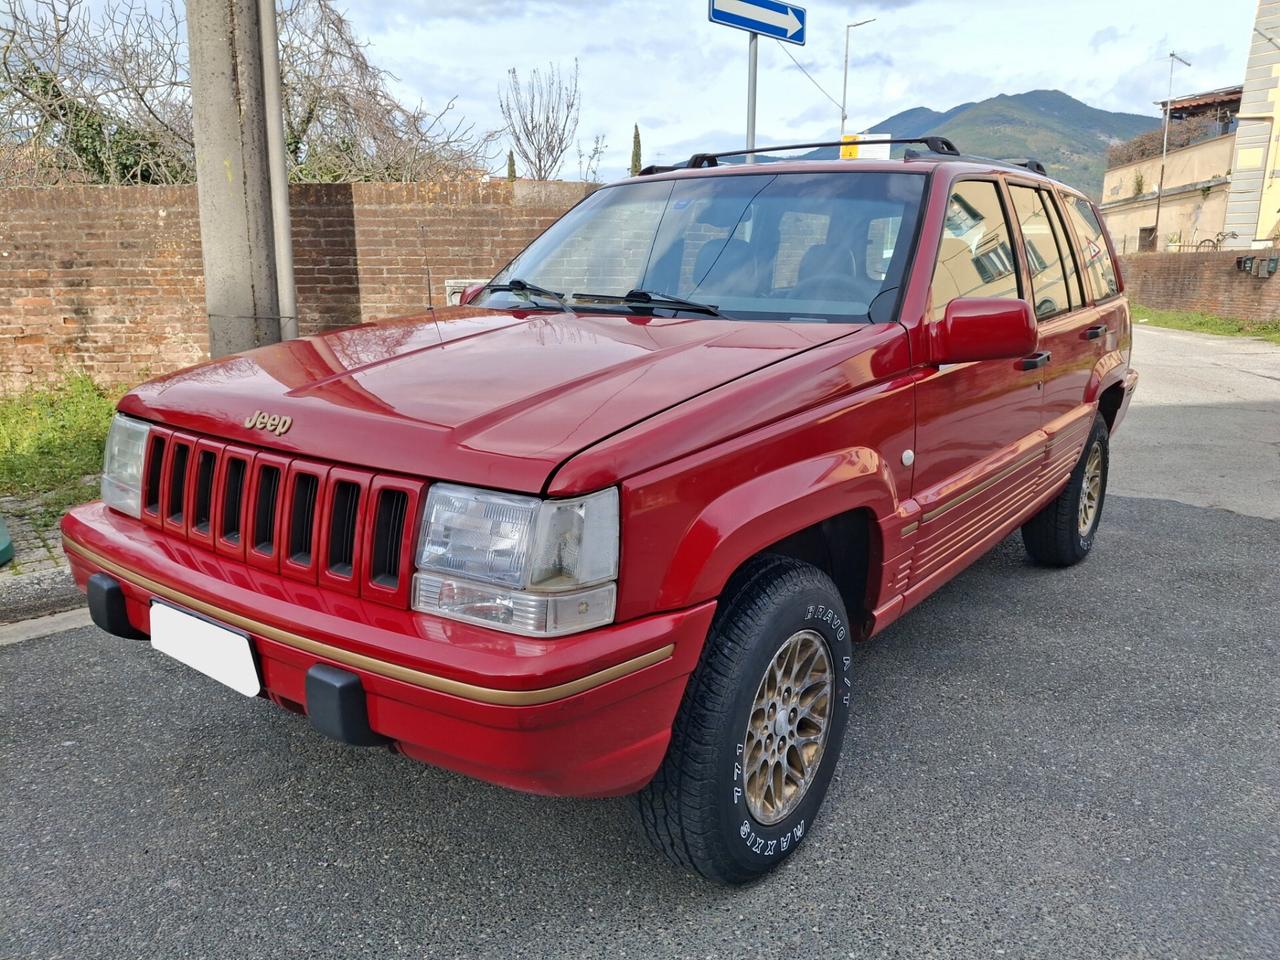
[{"x": 1069, "y": 137}]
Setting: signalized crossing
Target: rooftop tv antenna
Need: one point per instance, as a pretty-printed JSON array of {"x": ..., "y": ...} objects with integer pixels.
[{"x": 1164, "y": 152}]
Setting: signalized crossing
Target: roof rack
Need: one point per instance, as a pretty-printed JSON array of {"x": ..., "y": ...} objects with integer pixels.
[
  {"x": 938, "y": 145},
  {"x": 1025, "y": 163}
]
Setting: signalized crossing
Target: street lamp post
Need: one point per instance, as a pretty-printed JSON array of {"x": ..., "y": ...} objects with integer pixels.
[
  {"x": 844, "y": 97},
  {"x": 1164, "y": 151}
]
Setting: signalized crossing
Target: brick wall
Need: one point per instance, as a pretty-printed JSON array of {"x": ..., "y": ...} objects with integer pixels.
[
  {"x": 1202, "y": 282},
  {"x": 109, "y": 279}
]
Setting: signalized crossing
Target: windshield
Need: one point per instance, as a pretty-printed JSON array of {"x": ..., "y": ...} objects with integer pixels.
[{"x": 819, "y": 247}]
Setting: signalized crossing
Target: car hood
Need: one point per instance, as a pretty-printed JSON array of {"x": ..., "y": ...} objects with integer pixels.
[{"x": 493, "y": 398}]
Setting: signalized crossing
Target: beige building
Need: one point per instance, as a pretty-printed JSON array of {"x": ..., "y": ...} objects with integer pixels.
[
  {"x": 1222, "y": 173},
  {"x": 1197, "y": 178},
  {"x": 1194, "y": 203}
]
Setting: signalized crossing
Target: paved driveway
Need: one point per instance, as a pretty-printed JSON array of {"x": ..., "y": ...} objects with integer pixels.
[{"x": 1040, "y": 764}]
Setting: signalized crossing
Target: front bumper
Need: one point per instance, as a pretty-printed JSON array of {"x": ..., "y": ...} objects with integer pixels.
[{"x": 584, "y": 715}]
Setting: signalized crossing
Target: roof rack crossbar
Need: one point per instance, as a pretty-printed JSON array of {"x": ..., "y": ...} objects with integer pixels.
[
  {"x": 1022, "y": 163},
  {"x": 939, "y": 145},
  {"x": 1027, "y": 163}
]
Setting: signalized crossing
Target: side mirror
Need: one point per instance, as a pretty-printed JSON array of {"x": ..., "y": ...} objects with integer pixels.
[
  {"x": 470, "y": 293},
  {"x": 980, "y": 328}
]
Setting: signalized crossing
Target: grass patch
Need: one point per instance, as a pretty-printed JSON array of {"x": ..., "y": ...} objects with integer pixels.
[
  {"x": 50, "y": 440},
  {"x": 1208, "y": 323}
]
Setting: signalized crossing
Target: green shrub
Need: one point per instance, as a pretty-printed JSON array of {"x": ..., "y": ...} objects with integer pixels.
[{"x": 51, "y": 438}]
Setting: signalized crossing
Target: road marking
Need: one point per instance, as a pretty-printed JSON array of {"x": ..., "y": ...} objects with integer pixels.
[{"x": 43, "y": 626}]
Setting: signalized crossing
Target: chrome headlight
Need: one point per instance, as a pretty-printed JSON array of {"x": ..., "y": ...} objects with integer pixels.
[
  {"x": 122, "y": 465},
  {"x": 521, "y": 564}
]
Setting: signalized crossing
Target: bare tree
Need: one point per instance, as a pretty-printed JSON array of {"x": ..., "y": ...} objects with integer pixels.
[
  {"x": 107, "y": 99},
  {"x": 103, "y": 101},
  {"x": 541, "y": 115},
  {"x": 341, "y": 120}
]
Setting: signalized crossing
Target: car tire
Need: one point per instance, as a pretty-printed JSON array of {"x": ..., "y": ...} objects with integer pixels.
[
  {"x": 713, "y": 805},
  {"x": 1062, "y": 533}
]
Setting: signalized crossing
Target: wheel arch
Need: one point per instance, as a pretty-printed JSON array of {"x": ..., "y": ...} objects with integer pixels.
[
  {"x": 844, "y": 547},
  {"x": 1109, "y": 403}
]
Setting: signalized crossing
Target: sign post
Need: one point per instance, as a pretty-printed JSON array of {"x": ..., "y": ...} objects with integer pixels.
[
  {"x": 753, "y": 58},
  {"x": 781, "y": 21}
]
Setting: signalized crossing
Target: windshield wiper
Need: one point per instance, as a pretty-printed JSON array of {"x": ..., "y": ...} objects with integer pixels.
[
  {"x": 652, "y": 298},
  {"x": 524, "y": 286}
]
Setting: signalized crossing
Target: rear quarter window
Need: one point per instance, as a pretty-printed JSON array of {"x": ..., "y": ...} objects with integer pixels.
[{"x": 1099, "y": 271}]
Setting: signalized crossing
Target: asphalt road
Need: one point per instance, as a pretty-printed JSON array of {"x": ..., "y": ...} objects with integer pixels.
[
  {"x": 1040, "y": 764},
  {"x": 1205, "y": 427}
]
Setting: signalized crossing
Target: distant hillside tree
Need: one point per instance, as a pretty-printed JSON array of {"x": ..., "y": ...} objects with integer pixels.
[
  {"x": 635, "y": 151},
  {"x": 511, "y": 165},
  {"x": 102, "y": 94},
  {"x": 541, "y": 116}
]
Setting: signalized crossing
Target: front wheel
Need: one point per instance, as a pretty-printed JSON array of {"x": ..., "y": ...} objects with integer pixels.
[
  {"x": 758, "y": 735},
  {"x": 1062, "y": 533}
]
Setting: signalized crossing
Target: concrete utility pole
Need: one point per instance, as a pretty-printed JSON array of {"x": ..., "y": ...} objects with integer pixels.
[
  {"x": 233, "y": 174},
  {"x": 281, "y": 219}
]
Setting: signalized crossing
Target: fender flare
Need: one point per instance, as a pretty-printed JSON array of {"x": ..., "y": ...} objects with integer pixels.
[
  {"x": 749, "y": 517},
  {"x": 1107, "y": 372}
]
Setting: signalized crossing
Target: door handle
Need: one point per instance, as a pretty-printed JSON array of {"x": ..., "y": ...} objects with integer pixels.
[
  {"x": 1096, "y": 333},
  {"x": 1034, "y": 361}
]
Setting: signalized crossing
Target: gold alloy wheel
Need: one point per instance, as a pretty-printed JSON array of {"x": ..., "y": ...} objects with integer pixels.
[
  {"x": 787, "y": 730},
  {"x": 1091, "y": 491}
]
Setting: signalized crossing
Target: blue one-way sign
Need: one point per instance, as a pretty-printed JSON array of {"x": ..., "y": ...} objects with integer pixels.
[{"x": 782, "y": 21}]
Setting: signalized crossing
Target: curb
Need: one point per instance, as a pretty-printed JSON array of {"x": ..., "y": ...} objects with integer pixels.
[{"x": 38, "y": 595}]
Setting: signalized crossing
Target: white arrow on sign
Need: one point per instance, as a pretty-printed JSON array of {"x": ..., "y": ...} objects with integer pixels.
[{"x": 740, "y": 8}]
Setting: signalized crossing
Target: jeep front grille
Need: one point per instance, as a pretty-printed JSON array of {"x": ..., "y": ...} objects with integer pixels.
[{"x": 343, "y": 529}]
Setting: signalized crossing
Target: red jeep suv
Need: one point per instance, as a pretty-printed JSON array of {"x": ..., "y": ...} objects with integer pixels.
[{"x": 613, "y": 526}]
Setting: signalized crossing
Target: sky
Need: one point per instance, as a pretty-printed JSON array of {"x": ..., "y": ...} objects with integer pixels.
[{"x": 661, "y": 64}]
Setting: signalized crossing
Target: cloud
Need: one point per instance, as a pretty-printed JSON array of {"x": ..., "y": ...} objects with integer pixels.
[
  {"x": 661, "y": 64},
  {"x": 1107, "y": 35}
]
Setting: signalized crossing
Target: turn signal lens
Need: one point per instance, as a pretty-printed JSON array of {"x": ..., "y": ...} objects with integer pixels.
[{"x": 514, "y": 611}]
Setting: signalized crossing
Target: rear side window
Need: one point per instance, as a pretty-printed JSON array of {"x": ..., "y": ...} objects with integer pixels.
[
  {"x": 975, "y": 258},
  {"x": 1050, "y": 292},
  {"x": 1098, "y": 268}
]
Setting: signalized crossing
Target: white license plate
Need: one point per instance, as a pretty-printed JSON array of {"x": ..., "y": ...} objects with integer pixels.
[{"x": 215, "y": 651}]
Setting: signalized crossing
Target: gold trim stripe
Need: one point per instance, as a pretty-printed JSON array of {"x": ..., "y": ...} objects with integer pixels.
[
  {"x": 984, "y": 485},
  {"x": 428, "y": 681}
]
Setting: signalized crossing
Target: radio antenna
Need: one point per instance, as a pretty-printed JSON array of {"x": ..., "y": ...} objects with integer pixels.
[{"x": 422, "y": 236}]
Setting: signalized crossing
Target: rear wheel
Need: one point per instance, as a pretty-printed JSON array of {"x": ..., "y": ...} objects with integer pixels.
[
  {"x": 1062, "y": 533},
  {"x": 758, "y": 735}
]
